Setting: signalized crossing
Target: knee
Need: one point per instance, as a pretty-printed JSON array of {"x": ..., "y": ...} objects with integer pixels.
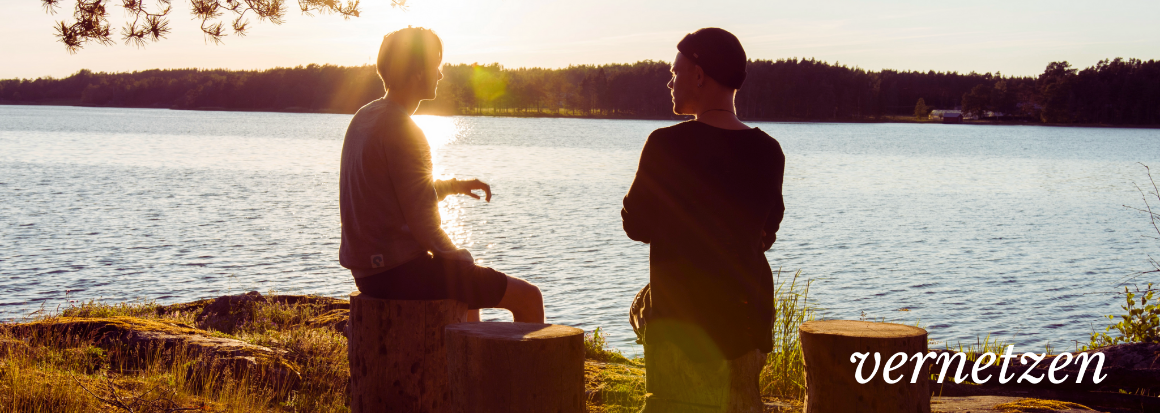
[{"x": 527, "y": 291}]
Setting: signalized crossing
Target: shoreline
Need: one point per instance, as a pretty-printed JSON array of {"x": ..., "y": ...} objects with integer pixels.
[
  {"x": 888, "y": 119},
  {"x": 261, "y": 352}
]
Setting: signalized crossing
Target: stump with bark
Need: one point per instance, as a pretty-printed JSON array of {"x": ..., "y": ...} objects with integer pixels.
[
  {"x": 831, "y": 386},
  {"x": 515, "y": 367},
  {"x": 398, "y": 362}
]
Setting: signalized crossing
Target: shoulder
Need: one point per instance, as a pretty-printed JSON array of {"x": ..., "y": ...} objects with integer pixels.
[
  {"x": 768, "y": 142},
  {"x": 668, "y": 133},
  {"x": 383, "y": 117},
  {"x": 680, "y": 128}
]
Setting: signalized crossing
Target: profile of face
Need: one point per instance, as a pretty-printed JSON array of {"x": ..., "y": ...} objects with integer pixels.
[
  {"x": 428, "y": 79},
  {"x": 683, "y": 85}
]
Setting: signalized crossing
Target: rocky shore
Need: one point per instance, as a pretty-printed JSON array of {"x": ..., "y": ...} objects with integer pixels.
[{"x": 254, "y": 352}]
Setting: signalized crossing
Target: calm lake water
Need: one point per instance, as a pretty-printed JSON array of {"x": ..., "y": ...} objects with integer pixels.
[{"x": 1015, "y": 231}]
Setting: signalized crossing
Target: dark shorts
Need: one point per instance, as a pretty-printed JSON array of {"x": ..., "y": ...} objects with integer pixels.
[{"x": 429, "y": 278}]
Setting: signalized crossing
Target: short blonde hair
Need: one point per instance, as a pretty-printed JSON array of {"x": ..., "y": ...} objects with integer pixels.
[{"x": 406, "y": 52}]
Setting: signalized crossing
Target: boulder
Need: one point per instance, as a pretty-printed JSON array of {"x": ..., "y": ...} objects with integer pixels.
[{"x": 226, "y": 312}]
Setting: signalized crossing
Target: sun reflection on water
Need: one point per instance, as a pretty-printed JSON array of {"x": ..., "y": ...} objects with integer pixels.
[{"x": 441, "y": 131}]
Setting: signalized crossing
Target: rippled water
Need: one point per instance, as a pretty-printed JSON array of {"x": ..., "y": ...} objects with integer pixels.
[{"x": 1014, "y": 231}]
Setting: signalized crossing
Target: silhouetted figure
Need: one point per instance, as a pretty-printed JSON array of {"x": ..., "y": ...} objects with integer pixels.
[
  {"x": 391, "y": 236},
  {"x": 707, "y": 199}
]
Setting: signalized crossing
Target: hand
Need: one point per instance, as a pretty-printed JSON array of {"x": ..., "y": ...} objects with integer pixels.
[{"x": 466, "y": 188}]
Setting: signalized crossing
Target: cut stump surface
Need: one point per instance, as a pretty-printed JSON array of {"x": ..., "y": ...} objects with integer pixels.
[
  {"x": 828, "y": 346},
  {"x": 515, "y": 367}
]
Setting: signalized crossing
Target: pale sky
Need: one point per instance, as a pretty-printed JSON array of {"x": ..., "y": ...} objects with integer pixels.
[{"x": 1014, "y": 37}]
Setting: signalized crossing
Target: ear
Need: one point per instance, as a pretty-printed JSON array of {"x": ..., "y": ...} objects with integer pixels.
[{"x": 699, "y": 74}]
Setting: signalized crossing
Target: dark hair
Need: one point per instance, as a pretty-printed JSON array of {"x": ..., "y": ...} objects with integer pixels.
[
  {"x": 719, "y": 54},
  {"x": 405, "y": 52}
]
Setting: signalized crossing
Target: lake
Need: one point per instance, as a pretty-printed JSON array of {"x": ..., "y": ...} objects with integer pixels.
[{"x": 1019, "y": 232}]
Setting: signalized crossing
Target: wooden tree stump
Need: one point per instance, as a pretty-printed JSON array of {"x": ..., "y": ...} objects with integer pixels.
[
  {"x": 676, "y": 384},
  {"x": 515, "y": 367},
  {"x": 827, "y": 347},
  {"x": 398, "y": 362}
]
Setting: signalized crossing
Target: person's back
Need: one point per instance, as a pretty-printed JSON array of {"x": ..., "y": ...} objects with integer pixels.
[
  {"x": 707, "y": 199},
  {"x": 392, "y": 239},
  {"x": 707, "y": 196},
  {"x": 374, "y": 231}
]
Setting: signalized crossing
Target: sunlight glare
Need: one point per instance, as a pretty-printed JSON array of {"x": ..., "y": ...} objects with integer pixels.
[{"x": 440, "y": 130}]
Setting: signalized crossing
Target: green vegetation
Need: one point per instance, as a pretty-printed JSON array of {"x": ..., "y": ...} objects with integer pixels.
[
  {"x": 784, "y": 375},
  {"x": 596, "y": 348},
  {"x": 1140, "y": 323},
  {"x": 1114, "y": 92},
  {"x": 921, "y": 110}
]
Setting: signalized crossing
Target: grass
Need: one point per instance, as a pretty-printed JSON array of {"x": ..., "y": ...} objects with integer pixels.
[
  {"x": 1029, "y": 405},
  {"x": 45, "y": 372},
  {"x": 53, "y": 369},
  {"x": 784, "y": 374}
]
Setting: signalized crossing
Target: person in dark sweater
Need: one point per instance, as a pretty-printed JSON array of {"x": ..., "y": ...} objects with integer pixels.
[
  {"x": 707, "y": 199},
  {"x": 392, "y": 240}
]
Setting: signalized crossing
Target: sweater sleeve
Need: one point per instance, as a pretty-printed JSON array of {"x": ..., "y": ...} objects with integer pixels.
[
  {"x": 409, "y": 164},
  {"x": 639, "y": 203},
  {"x": 777, "y": 211}
]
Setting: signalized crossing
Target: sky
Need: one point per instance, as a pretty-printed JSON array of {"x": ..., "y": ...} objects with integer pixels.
[{"x": 1015, "y": 37}]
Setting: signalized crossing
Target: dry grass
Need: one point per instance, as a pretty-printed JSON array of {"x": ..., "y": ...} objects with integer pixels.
[
  {"x": 1037, "y": 406},
  {"x": 48, "y": 372}
]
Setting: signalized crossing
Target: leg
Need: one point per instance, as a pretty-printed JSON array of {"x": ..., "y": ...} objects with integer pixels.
[
  {"x": 524, "y": 301},
  {"x": 471, "y": 316},
  {"x": 744, "y": 375}
]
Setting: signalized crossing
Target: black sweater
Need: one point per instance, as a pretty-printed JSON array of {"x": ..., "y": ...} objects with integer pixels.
[{"x": 709, "y": 203}]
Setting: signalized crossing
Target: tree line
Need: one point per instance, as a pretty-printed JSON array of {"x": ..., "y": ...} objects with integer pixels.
[{"x": 1114, "y": 92}]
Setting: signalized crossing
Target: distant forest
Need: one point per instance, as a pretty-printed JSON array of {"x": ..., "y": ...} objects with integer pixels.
[{"x": 1113, "y": 92}]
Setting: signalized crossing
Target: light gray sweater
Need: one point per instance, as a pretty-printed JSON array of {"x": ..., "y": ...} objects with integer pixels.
[{"x": 388, "y": 198}]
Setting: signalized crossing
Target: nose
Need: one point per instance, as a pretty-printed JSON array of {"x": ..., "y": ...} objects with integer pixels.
[{"x": 670, "y": 84}]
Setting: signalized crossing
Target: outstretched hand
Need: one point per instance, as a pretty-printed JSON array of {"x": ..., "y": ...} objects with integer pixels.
[{"x": 468, "y": 188}]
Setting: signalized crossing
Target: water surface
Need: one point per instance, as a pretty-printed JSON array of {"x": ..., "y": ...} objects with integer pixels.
[{"x": 1014, "y": 231}]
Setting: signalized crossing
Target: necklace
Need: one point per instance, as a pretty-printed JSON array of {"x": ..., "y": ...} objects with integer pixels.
[{"x": 710, "y": 110}]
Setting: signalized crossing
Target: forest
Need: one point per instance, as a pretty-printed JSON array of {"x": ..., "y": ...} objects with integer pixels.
[{"x": 1113, "y": 92}]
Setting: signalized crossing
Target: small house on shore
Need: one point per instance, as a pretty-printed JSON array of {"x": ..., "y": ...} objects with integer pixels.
[{"x": 947, "y": 116}]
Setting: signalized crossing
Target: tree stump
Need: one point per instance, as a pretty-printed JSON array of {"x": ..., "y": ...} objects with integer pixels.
[
  {"x": 515, "y": 367},
  {"x": 398, "y": 362},
  {"x": 827, "y": 347},
  {"x": 677, "y": 384}
]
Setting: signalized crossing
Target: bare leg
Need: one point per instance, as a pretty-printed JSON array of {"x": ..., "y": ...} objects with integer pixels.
[
  {"x": 471, "y": 316},
  {"x": 524, "y": 301}
]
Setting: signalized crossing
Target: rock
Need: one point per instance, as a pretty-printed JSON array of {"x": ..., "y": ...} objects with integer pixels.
[
  {"x": 130, "y": 341},
  {"x": 226, "y": 312},
  {"x": 1133, "y": 356}
]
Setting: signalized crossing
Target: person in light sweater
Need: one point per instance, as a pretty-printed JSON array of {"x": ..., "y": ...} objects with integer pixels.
[{"x": 392, "y": 240}]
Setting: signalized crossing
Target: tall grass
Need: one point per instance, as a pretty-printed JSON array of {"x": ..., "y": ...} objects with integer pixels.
[{"x": 784, "y": 374}]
